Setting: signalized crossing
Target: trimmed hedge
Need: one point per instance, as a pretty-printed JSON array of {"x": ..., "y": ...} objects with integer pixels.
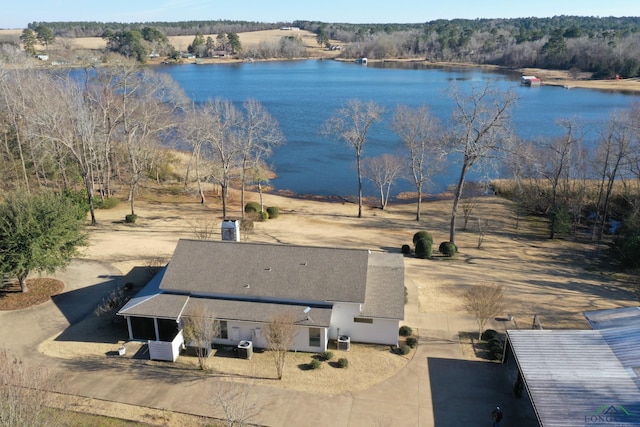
[
  {"x": 252, "y": 207},
  {"x": 489, "y": 334},
  {"x": 424, "y": 248},
  {"x": 406, "y": 249},
  {"x": 422, "y": 235},
  {"x": 405, "y": 331},
  {"x": 448, "y": 249},
  {"x": 273, "y": 211},
  {"x": 314, "y": 364},
  {"x": 404, "y": 349},
  {"x": 343, "y": 363},
  {"x": 326, "y": 355},
  {"x": 412, "y": 342}
]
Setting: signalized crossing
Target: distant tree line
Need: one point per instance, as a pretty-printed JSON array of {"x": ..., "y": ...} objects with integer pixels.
[
  {"x": 180, "y": 28},
  {"x": 606, "y": 47}
]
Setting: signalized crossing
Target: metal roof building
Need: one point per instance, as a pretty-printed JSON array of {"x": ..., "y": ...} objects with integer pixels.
[{"x": 583, "y": 378}]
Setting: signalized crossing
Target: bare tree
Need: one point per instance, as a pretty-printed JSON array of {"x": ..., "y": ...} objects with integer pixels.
[
  {"x": 560, "y": 161},
  {"x": 203, "y": 228},
  {"x": 479, "y": 132},
  {"x": 23, "y": 393},
  {"x": 259, "y": 134},
  {"x": 422, "y": 135},
  {"x": 238, "y": 402},
  {"x": 194, "y": 133},
  {"x": 382, "y": 171},
  {"x": 484, "y": 302},
  {"x": 148, "y": 103},
  {"x": 200, "y": 327},
  {"x": 350, "y": 124},
  {"x": 468, "y": 205},
  {"x": 222, "y": 137},
  {"x": 16, "y": 86},
  {"x": 260, "y": 174},
  {"x": 280, "y": 334},
  {"x": 613, "y": 153}
]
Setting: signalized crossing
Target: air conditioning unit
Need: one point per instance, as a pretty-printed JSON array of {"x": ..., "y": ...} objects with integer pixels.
[
  {"x": 245, "y": 349},
  {"x": 344, "y": 343}
]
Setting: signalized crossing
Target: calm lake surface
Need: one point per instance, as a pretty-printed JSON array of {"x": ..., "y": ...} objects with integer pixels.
[{"x": 301, "y": 95}]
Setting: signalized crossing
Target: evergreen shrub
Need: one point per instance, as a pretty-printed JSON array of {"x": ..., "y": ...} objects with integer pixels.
[
  {"x": 448, "y": 249},
  {"x": 273, "y": 211}
]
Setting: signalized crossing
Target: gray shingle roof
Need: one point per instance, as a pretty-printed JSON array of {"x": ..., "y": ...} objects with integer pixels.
[
  {"x": 279, "y": 277},
  {"x": 276, "y": 272},
  {"x": 385, "y": 287}
]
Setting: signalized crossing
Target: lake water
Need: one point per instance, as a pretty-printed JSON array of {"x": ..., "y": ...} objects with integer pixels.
[{"x": 301, "y": 95}]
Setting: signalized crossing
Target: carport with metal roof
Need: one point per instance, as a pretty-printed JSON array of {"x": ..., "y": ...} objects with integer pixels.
[{"x": 582, "y": 378}]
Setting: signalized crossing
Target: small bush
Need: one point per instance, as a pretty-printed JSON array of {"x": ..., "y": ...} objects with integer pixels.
[
  {"x": 495, "y": 348},
  {"x": 424, "y": 248},
  {"x": 405, "y": 331},
  {"x": 489, "y": 334},
  {"x": 252, "y": 207},
  {"x": 406, "y": 249},
  {"x": 314, "y": 364},
  {"x": 273, "y": 211},
  {"x": 448, "y": 249},
  {"x": 107, "y": 203},
  {"x": 343, "y": 363},
  {"x": 406, "y": 295},
  {"x": 131, "y": 218},
  {"x": 422, "y": 235},
  {"x": 412, "y": 342},
  {"x": 264, "y": 216},
  {"x": 326, "y": 355},
  {"x": 404, "y": 349}
]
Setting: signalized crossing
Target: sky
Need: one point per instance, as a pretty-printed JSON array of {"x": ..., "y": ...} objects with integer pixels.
[{"x": 22, "y": 12}]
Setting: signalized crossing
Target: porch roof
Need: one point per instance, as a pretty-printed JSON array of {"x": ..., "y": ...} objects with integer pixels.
[{"x": 175, "y": 306}]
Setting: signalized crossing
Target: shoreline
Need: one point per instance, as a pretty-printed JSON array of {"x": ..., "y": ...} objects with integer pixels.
[{"x": 556, "y": 78}]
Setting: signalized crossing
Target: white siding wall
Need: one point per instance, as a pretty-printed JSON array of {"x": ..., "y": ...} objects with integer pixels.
[
  {"x": 255, "y": 332},
  {"x": 381, "y": 331},
  {"x": 168, "y": 351}
]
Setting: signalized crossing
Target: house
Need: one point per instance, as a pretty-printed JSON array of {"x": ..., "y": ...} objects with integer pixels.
[
  {"x": 582, "y": 377},
  {"x": 530, "y": 81},
  {"x": 342, "y": 294}
]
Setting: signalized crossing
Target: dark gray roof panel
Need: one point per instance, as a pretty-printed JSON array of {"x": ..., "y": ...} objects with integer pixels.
[
  {"x": 256, "y": 270},
  {"x": 385, "y": 287}
]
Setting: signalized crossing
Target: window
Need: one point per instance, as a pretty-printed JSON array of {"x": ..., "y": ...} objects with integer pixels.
[
  {"x": 362, "y": 320},
  {"x": 314, "y": 337},
  {"x": 223, "y": 330}
]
